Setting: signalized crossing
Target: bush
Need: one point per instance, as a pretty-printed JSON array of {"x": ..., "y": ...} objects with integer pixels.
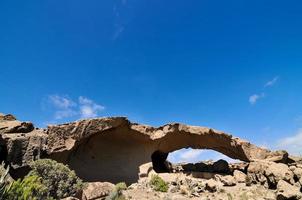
[
  {"x": 116, "y": 193},
  {"x": 59, "y": 180},
  {"x": 158, "y": 184},
  {"x": 30, "y": 188}
]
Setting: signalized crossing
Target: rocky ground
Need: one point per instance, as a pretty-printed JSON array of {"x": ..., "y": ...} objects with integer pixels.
[{"x": 258, "y": 180}]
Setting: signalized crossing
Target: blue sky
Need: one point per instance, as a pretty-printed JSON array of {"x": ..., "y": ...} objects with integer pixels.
[{"x": 231, "y": 65}]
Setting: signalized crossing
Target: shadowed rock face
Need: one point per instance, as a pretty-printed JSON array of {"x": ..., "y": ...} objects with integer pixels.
[{"x": 112, "y": 149}]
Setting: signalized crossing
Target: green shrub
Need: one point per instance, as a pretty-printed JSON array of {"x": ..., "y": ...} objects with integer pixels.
[
  {"x": 30, "y": 188},
  {"x": 121, "y": 186},
  {"x": 116, "y": 193},
  {"x": 158, "y": 184},
  {"x": 59, "y": 180}
]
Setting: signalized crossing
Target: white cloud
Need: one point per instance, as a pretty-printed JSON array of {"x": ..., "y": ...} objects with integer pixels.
[
  {"x": 293, "y": 144},
  {"x": 272, "y": 82},
  {"x": 61, "y": 102},
  {"x": 255, "y": 97},
  {"x": 190, "y": 155},
  {"x": 89, "y": 108},
  {"x": 63, "y": 107},
  {"x": 185, "y": 155}
]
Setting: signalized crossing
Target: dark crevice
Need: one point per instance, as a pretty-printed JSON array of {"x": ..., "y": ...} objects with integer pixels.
[
  {"x": 3, "y": 153},
  {"x": 159, "y": 162}
]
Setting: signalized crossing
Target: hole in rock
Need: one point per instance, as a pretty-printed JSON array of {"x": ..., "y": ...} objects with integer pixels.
[
  {"x": 191, "y": 160},
  {"x": 190, "y": 155},
  {"x": 159, "y": 162}
]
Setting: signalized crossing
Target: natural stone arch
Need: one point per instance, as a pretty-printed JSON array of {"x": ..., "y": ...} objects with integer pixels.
[{"x": 112, "y": 149}]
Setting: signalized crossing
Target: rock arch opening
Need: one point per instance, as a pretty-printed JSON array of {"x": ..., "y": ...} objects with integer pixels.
[
  {"x": 191, "y": 160},
  {"x": 189, "y": 155}
]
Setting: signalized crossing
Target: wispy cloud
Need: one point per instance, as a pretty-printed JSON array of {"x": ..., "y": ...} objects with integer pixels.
[
  {"x": 255, "y": 97},
  {"x": 62, "y": 102},
  {"x": 63, "y": 107},
  {"x": 89, "y": 108},
  {"x": 186, "y": 155},
  {"x": 120, "y": 22},
  {"x": 272, "y": 82},
  {"x": 190, "y": 155},
  {"x": 293, "y": 144},
  {"x": 118, "y": 31}
]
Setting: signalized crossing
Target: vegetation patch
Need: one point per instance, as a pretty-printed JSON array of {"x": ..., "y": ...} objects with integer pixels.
[
  {"x": 58, "y": 178},
  {"x": 116, "y": 193},
  {"x": 158, "y": 184}
]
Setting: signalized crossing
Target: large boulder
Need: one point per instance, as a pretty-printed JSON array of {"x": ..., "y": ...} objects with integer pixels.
[
  {"x": 239, "y": 176},
  {"x": 298, "y": 172},
  {"x": 287, "y": 191},
  {"x": 15, "y": 126},
  {"x": 20, "y": 142},
  {"x": 270, "y": 172},
  {"x": 221, "y": 166},
  {"x": 279, "y": 171}
]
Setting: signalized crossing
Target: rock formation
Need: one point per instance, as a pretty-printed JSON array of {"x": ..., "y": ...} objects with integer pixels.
[
  {"x": 112, "y": 149},
  {"x": 20, "y": 142}
]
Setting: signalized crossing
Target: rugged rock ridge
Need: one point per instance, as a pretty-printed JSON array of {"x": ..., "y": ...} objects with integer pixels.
[
  {"x": 112, "y": 149},
  {"x": 20, "y": 142},
  {"x": 167, "y": 138}
]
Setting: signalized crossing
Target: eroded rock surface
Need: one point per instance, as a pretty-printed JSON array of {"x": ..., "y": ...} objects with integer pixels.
[
  {"x": 112, "y": 149},
  {"x": 20, "y": 142}
]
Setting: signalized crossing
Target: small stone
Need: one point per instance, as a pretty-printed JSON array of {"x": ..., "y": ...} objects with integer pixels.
[
  {"x": 270, "y": 195},
  {"x": 239, "y": 176},
  {"x": 144, "y": 170},
  {"x": 95, "y": 190},
  {"x": 292, "y": 167},
  {"x": 228, "y": 180},
  {"x": 183, "y": 190},
  {"x": 211, "y": 185}
]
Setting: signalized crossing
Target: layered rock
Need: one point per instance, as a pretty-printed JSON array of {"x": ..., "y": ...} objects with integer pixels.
[{"x": 20, "y": 142}]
